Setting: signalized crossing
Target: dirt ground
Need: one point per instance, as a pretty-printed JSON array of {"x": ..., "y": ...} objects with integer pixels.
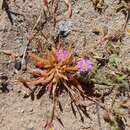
[{"x": 18, "y": 113}]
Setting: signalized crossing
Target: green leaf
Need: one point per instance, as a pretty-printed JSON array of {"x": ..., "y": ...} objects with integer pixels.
[{"x": 121, "y": 78}]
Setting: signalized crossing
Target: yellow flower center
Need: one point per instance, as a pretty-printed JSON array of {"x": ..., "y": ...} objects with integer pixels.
[
  {"x": 84, "y": 66},
  {"x": 50, "y": 128},
  {"x": 62, "y": 56}
]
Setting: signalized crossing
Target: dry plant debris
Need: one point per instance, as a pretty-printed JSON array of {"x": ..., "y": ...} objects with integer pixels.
[
  {"x": 55, "y": 4},
  {"x": 57, "y": 71},
  {"x": 11, "y": 53},
  {"x": 3, "y": 83},
  {"x": 124, "y": 7},
  {"x": 58, "y": 67},
  {"x": 113, "y": 36},
  {"x": 99, "y": 5}
]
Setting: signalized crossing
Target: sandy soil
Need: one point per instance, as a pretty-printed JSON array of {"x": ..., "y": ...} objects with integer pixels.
[{"x": 18, "y": 113}]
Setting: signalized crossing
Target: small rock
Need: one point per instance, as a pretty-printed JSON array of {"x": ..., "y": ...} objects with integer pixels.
[
  {"x": 30, "y": 5},
  {"x": 17, "y": 65},
  {"x": 19, "y": 91},
  {"x": 64, "y": 28},
  {"x": 22, "y": 111},
  {"x": 31, "y": 110},
  {"x": 77, "y": 11}
]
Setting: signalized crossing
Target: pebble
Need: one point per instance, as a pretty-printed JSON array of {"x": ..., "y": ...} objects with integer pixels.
[
  {"x": 31, "y": 110},
  {"x": 64, "y": 28},
  {"x": 17, "y": 65},
  {"x": 22, "y": 111}
]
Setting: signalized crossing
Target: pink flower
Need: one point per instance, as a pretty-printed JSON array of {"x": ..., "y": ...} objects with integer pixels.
[
  {"x": 84, "y": 65},
  {"x": 62, "y": 55}
]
